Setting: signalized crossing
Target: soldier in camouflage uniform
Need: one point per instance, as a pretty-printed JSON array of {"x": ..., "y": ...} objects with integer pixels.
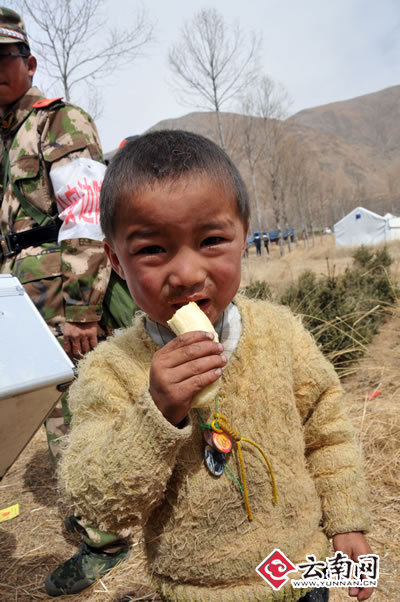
[{"x": 50, "y": 177}]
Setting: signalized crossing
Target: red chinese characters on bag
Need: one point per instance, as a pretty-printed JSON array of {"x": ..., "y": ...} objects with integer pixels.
[
  {"x": 81, "y": 202},
  {"x": 77, "y": 186}
]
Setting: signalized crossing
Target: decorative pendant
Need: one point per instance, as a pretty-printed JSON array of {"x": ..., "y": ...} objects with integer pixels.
[
  {"x": 215, "y": 460},
  {"x": 219, "y": 441}
]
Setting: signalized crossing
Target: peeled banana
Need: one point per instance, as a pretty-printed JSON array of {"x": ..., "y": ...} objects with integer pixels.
[{"x": 187, "y": 319}]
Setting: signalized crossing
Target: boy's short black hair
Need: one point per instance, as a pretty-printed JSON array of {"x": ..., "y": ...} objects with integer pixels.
[{"x": 162, "y": 156}]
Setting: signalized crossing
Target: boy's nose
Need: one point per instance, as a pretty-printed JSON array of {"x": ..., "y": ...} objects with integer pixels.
[{"x": 186, "y": 270}]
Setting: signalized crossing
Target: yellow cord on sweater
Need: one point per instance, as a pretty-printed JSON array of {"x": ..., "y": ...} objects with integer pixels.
[{"x": 219, "y": 425}]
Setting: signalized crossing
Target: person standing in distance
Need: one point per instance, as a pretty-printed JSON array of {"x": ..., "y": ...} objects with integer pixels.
[
  {"x": 257, "y": 242},
  {"x": 266, "y": 241}
]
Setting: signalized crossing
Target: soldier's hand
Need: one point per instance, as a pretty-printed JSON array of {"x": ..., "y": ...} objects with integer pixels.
[{"x": 79, "y": 338}]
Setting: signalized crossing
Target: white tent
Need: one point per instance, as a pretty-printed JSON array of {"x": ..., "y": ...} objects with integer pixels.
[
  {"x": 394, "y": 225},
  {"x": 362, "y": 227}
]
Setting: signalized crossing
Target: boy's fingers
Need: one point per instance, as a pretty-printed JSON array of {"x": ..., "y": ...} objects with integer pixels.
[
  {"x": 190, "y": 337},
  {"x": 183, "y": 381},
  {"x": 197, "y": 367},
  {"x": 197, "y": 383},
  {"x": 362, "y": 593},
  {"x": 196, "y": 351},
  {"x": 365, "y": 593},
  {"x": 179, "y": 354}
]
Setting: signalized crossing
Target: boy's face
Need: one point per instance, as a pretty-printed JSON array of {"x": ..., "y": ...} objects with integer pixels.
[{"x": 179, "y": 242}]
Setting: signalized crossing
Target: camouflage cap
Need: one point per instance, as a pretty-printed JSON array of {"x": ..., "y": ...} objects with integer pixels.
[{"x": 12, "y": 27}]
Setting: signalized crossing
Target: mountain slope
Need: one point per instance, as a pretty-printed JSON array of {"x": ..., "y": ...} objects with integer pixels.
[
  {"x": 369, "y": 120},
  {"x": 352, "y": 147},
  {"x": 352, "y": 143}
]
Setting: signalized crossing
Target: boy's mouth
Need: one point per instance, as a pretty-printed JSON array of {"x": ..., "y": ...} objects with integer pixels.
[{"x": 202, "y": 303}]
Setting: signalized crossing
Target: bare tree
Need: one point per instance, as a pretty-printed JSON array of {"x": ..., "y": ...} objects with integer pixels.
[
  {"x": 284, "y": 184},
  {"x": 309, "y": 210},
  {"x": 272, "y": 104},
  {"x": 393, "y": 186},
  {"x": 252, "y": 147},
  {"x": 333, "y": 201},
  {"x": 213, "y": 62},
  {"x": 75, "y": 43}
]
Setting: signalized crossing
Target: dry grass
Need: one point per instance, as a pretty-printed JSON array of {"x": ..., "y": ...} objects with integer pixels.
[
  {"x": 279, "y": 272},
  {"x": 378, "y": 425},
  {"x": 35, "y": 543}
]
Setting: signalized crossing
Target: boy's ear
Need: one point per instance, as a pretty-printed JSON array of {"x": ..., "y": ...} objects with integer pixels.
[{"x": 113, "y": 257}]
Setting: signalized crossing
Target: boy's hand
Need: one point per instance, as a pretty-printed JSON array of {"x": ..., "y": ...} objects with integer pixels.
[
  {"x": 354, "y": 544},
  {"x": 182, "y": 368}
]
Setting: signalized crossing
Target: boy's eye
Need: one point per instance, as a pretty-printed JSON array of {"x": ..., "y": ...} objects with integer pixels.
[
  {"x": 150, "y": 250},
  {"x": 212, "y": 240}
]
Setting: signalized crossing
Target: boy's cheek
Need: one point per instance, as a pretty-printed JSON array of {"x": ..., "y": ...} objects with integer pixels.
[
  {"x": 229, "y": 273},
  {"x": 144, "y": 289},
  {"x": 146, "y": 282}
]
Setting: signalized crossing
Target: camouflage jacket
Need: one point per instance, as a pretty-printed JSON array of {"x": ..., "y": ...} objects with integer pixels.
[{"x": 66, "y": 281}]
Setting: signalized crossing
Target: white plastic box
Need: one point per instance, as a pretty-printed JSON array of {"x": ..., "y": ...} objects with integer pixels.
[{"x": 32, "y": 366}]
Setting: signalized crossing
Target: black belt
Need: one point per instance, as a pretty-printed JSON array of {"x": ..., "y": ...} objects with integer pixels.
[{"x": 12, "y": 243}]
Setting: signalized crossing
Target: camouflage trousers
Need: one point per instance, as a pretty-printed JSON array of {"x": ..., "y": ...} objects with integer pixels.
[
  {"x": 93, "y": 537},
  {"x": 57, "y": 426},
  {"x": 118, "y": 311}
]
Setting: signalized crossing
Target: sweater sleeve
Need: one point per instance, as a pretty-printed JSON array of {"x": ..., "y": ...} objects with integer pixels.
[
  {"x": 333, "y": 456},
  {"x": 121, "y": 450}
]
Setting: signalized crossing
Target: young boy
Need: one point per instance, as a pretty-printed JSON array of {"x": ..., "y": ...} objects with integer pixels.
[{"x": 175, "y": 214}]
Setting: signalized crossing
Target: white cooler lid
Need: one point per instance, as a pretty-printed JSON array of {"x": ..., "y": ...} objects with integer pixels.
[{"x": 30, "y": 356}]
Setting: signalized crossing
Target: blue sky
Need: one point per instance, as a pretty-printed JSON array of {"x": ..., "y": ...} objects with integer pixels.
[{"x": 321, "y": 50}]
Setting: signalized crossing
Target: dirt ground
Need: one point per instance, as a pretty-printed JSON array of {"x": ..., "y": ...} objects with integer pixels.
[{"x": 34, "y": 543}]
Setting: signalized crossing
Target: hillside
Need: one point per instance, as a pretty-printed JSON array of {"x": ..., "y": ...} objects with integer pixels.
[
  {"x": 352, "y": 149},
  {"x": 370, "y": 120}
]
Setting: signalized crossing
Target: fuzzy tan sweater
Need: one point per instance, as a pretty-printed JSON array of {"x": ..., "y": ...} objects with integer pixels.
[{"x": 126, "y": 465}]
